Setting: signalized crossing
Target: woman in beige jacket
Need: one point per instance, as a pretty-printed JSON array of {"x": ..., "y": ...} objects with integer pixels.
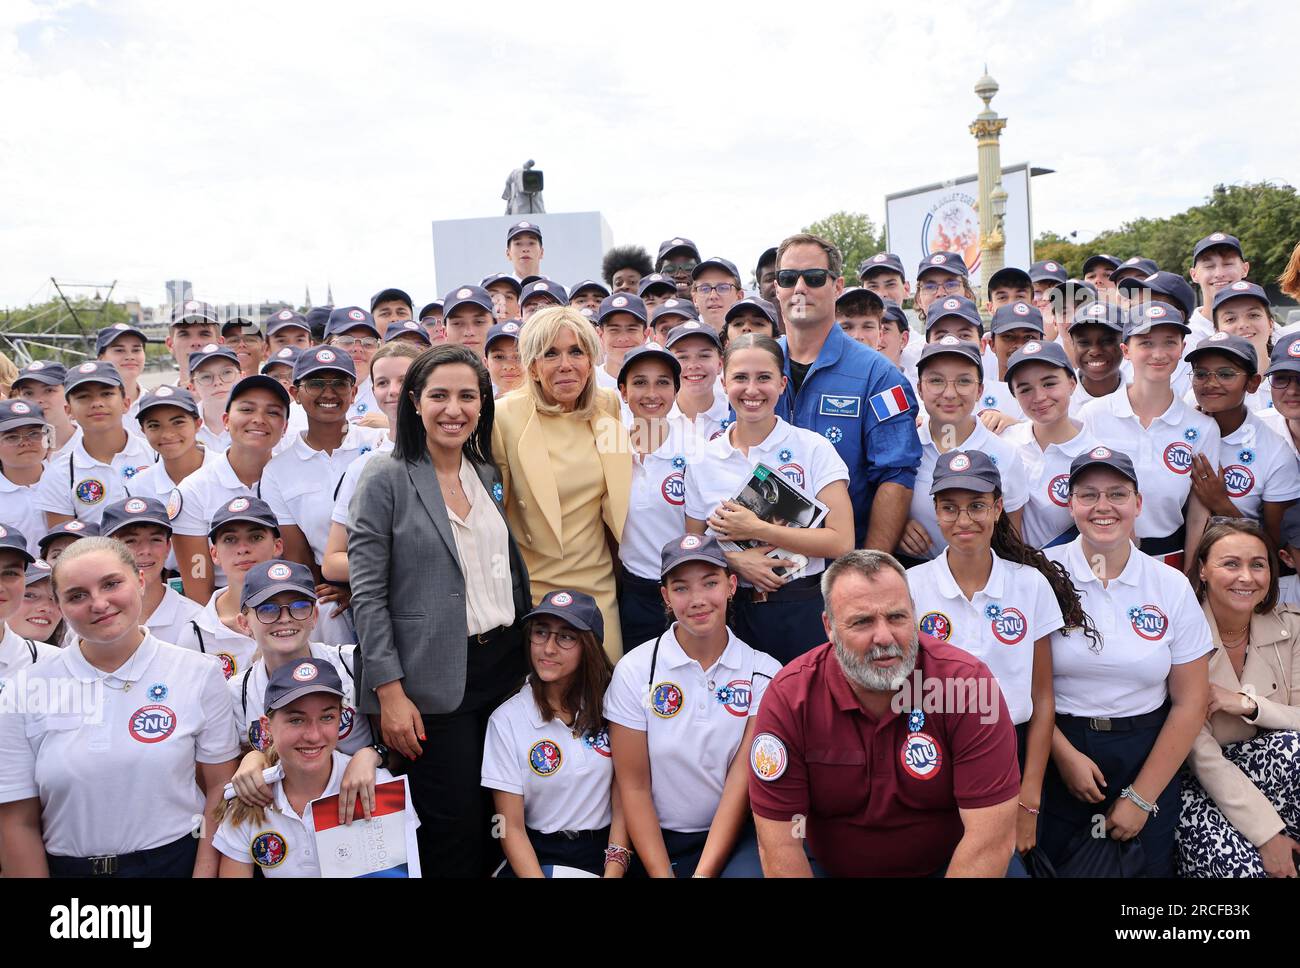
[{"x": 1241, "y": 813}]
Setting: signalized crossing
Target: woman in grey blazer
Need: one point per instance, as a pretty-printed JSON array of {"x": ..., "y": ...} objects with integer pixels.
[{"x": 438, "y": 588}]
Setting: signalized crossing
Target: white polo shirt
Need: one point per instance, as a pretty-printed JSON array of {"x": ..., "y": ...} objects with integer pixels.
[
  {"x": 657, "y": 505},
  {"x": 1258, "y": 466},
  {"x": 157, "y": 483},
  {"x": 1015, "y": 493},
  {"x": 1274, "y": 421},
  {"x": 215, "y": 439},
  {"x": 1288, "y": 590},
  {"x": 998, "y": 396},
  {"x": 808, "y": 460},
  {"x": 565, "y": 780},
  {"x": 17, "y": 652},
  {"x": 172, "y": 621},
  {"x": 284, "y": 843},
  {"x": 299, "y": 484},
  {"x": 234, "y": 651},
  {"x": 999, "y": 625},
  {"x": 201, "y": 495},
  {"x": 81, "y": 486},
  {"x": 693, "y": 718},
  {"x": 248, "y": 695},
  {"x": 1149, "y": 620},
  {"x": 19, "y": 511},
  {"x": 364, "y": 403},
  {"x": 713, "y": 421},
  {"x": 1047, "y": 520},
  {"x": 348, "y": 486},
  {"x": 116, "y": 774},
  {"x": 1161, "y": 455}
]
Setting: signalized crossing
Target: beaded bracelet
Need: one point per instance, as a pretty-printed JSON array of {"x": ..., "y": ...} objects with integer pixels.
[{"x": 618, "y": 855}]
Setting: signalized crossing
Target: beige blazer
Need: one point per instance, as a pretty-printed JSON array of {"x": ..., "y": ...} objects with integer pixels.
[
  {"x": 1271, "y": 676},
  {"x": 531, "y": 493}
]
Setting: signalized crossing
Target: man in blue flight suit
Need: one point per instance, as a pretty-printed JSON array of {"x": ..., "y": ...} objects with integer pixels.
[{"x": 851, "y": 395}]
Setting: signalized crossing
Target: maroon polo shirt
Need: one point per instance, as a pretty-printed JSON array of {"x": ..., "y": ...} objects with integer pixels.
[{"x": 880, "y": 799}]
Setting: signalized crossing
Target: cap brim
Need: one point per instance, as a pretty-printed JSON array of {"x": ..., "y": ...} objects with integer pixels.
[
  {"x": 1283, "y": 366},
  {"x": 560, "y": 613},
  {"x": 949, "y": 351},
  {"x": 258, "y": 381},
  {"x": 246, "y": 519},
  {"x": 1075, "y": 475},
  {"x": 107, "y": 381},
  {"x": 673, "y": 364},
  {"x": 962, "y": 482},
  {"x": 689, "y": 557},
  {"x": 1011, "y": 368},
  {"x": 28, "y": 557},
  {"x": 262, "y": 594},
  {"x": 193, "y": 411},
  {"x": 162, "y": 522},
  {"x": 1204, "y": 348},
  {"x": 306, "y": 689},
  {"x": 31, "y": 420},
  {"x": 46, "y": 378}
]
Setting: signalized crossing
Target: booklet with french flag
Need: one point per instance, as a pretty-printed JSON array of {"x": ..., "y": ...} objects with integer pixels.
[{"x": 383, "y": 846}]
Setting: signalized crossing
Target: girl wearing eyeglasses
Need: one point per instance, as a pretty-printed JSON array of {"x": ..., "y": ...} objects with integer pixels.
[
  {"x": 1242, "y": 309},
  {"x": 1283, "y": 374},
  {"x": 1130, "y": 700},
  {"x": 950, "y": 374},
  {"x": 1254, "y": 475},
  {"x": 25, "y": 440},
  {"x": 214, "y": 371},
  {"x": 547, "y": 758}
]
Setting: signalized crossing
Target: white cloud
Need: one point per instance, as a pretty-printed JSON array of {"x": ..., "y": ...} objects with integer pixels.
[{"x": 253, "y": 148}]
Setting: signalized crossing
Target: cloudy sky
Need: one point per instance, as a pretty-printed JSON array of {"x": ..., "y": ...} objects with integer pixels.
[{"x": 255, "y": 148}]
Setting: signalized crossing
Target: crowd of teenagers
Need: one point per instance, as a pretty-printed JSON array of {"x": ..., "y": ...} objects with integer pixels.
[{"x": 1046, "y": 624}]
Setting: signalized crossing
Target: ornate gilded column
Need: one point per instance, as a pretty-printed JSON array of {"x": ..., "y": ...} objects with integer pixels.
[{"x": 987, "y": 128}]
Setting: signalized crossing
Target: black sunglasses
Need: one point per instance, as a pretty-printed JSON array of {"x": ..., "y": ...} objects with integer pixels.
[{"x": 814, "y": 278}]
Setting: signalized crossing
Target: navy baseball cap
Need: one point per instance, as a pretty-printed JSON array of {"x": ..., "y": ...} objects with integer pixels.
[
  {"x": 1040, "y": 351},
  {"x": 507, "y": 330},
  {"x": 284, "y": 319},
  {"x": 1291, "y": 526},
  {"x": 952, "y": 346},
  {"x": 43, "y": 371},
  {"x": 657, "y": 281},
  {"x": 320, "y": 358},
  {"x": 12, "y": 539},
  {"x": 690, "y": 547},
  {"x": 284, "y": 356},
  {"x": 717, "y": 262},
  {"x": 301, "y": 677},
  {"x": 193, "y": 311},
  {"x": 1142, "y": 266},
  {"x": 860, "y": 294},
  {"x": 958, "y": 306},
  {"x": 751, "y": 302},
  {"x": 259, "y": 381},
  {"x": 473, "y": 295},
  {"x": 652, "y": 350},
  {"x": 505, "y": 277},
  {"x": 683, "y": 308},
  {"x": 345, "y": 318},
  {"x": 692, "y": 327},
  {"x": 1285, "y": 357},
  {"x": 68, "y": 529},
  {"x": 165, "y": 396},
  {"x": 1230, "y": 345},
  {"x": 1016, "y": 315},
  {"x": 268, "y": 578},
  {"x": 212, "y": 351},
  {"x": 106, "y": 336},
  {"x": 1102, "y": 457},
  {"x": 1078, "y": 290},
  {"x": 41, "y": 570},
  {"x": 134, "y": 510},
  {"x": 622, "y": 303},
  {"x": 769, "y": 255},
  {"x": 677, "y": 242},
  {"x": 21, "y": 413},
  {"x": 965, "y": 470},
  {"x": 1100, "y": 259},
  {"x": 1101, "y": 314},
  {"x": 1167, "y": 284},
  {"x": 1217, "y": 240},
  {"x": 1048, "y": 270},
  {"x": 251, "y": 510},
  {"x": 1150, "y": 315},
  {"x": 577, "y": 608},
  {"x": 1010, "y": 276},
  {"x": 1240, "y": 288},
  {"x": 894, "y": 312},
  {"x": 407, "y": 327},
  {"x": 600, "y": 287},
  {"x": 246, "y": 326},
  {"x": 881, "y": 260},
  {"x": 548, "y": 288},
  {"x": 92, "y": 371},
  {"x": 389, "y": 295},
  {"x": 317, "y": 319},
  {"x": 949, "y": 262},
  {"x": 427, "y": 311},
  {"x": 519, "y": 228},
  {"x": 527, "y": 279}
]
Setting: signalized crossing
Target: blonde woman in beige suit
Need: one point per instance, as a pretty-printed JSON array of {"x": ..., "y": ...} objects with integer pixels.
[{"x": 565, "y": 462}]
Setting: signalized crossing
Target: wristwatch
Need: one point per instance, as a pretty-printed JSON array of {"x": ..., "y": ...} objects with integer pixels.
[{"x": 382, "y": 750}]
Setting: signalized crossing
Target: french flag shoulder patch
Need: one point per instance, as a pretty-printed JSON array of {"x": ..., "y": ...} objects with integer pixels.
[{"x": 890, "y": 403}]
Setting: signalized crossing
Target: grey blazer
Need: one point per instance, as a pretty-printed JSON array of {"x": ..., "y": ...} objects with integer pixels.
[{"x": 408, "y": 591}]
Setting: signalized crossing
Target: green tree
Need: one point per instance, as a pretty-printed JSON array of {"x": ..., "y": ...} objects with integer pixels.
[
  {"x": 1067, "y": 252},
  {"x": 856, "y": 236}
]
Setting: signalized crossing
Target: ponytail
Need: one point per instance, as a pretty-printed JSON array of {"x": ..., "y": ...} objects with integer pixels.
[{"x": 236, "y": 810}]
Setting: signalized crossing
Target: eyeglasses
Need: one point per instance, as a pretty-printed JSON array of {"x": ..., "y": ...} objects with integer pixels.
[
  {"x": 672, "y": 268},
  {"x": 347, "y": 342},
  {"x": 1282, "y": 381},
  {"x": 722, "y": 288},
  {"x": 268, "y": 613},
  {"x": 813, "y": 278},
  {"x": 1224, "y": 374},
  {"x": 937, "y": 384},
  {"x": 564, "y": 638},
  {"x": 320, "y": 386},
  {"x": 30, "y": 437},
  {"x": 1088, "y": 496},
  {"x": 948, "y": 285},
  {"x": 976, "y": 511},
  {"x": 244, "y": 340},
  {"x": 227, "y": 374}
]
